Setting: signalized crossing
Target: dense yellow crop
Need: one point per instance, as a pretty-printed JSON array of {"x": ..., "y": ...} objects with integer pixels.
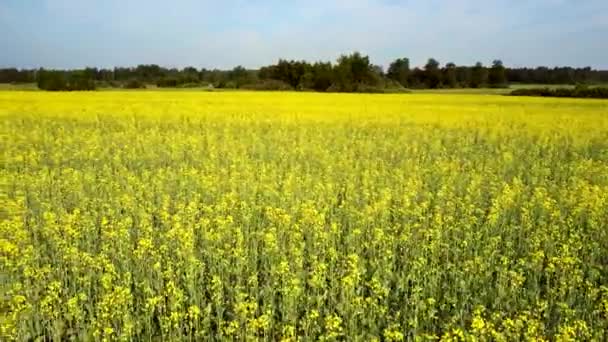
[{"x": 191, "y": 215}]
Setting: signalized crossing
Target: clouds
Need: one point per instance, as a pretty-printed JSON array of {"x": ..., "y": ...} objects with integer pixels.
[{"x": 72, "y": 33}]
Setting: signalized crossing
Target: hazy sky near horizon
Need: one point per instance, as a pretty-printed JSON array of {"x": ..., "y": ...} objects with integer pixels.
[{"x": 222, "y": 34}]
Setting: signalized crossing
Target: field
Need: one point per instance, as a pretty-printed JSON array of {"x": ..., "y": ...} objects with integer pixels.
[{"x": 267, "y": 216}]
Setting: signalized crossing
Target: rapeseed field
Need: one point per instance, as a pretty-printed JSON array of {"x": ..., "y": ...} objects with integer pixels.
[{"x": 244, "y": 216}]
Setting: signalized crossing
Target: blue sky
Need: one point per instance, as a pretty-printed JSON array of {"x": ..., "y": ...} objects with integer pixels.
[{"x": 106, "y": 33}]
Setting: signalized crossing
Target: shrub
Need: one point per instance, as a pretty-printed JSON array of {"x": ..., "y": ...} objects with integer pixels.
[
  {"x": 190, "y": 85},
  {"x": 268, "y": 85},
  {"x": 366, "y": 88},
  {"x": 167, "y": 83},
  {"x": 134, "y": 84},
  {"x": 577, "y": 92},
  {"x": 80, "y": 84}
]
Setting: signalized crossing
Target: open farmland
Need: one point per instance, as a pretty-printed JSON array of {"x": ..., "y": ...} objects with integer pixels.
[{"x": 241, "y": 216}]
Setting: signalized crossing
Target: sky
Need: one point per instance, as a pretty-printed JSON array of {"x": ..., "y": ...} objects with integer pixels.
[{"x": 226, "y": 33}]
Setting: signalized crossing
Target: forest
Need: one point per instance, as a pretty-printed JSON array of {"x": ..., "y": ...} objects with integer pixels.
[{"x": 350, "y": 73}]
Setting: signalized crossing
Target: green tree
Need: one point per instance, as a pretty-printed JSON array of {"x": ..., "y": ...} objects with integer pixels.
[
  {"x": 399, "y": 71},
  {"x": 190, "y": 75},
  {"x": 322, "y": 76},
  {"x": 353, "y": 72},
  {"x": 479, "y": 76},
  {"x": 497, "y": 76},
  {"x": 240, "y": 76},
  {"x": 57, "y": 80},
  {"x": 449, "y": 76},
  {"x": 51, "y": 80},
  {"x": 432, "y": 74}
]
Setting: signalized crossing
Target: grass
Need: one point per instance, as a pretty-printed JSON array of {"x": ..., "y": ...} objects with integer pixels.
[
  {"x": 490, "y": 91},
  {"x": 465, "y": 91},
  {"x": 18, "y": 86},
  {"x": 280, "y": 216}
]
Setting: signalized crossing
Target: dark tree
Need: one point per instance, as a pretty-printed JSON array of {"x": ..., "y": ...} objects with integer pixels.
[
  {"x": 190, "y": 75},
  {"x": 497, "y": 76},
  {"x": 149, "y": 72},
  {"x": 58, "y": 80},
  {"x": 353, "y": 73},
  {"x": 290, "y": 72},
  {"x": 432, "y": 74},
  {"x": 463, "y": 76},
  {"x": 417, "y": 78},
  {"x": 51, "y": 80},
  {"x": 479, "y": 76},
  {"x": 449, "y": 76},
  {"x": 399, "y": 71},
  {"x": 322, "y": 76},
  {"x": 13, "y": 75},
  {"x": 240, "y": 76}
]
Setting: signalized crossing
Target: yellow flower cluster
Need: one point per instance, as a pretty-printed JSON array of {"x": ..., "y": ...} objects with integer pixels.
[{"x": 189, "y": 215}]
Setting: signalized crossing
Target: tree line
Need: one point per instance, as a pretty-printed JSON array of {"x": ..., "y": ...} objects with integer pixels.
[
  {"x": 350, "y": 73},
  {"x": 580, "y": 91}
]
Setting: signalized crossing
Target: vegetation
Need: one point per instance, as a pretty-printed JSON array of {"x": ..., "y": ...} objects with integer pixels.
[
  {"x": 350, "y": 73},
  {"x": 580, "y": 92},
  {"x": 134, "y": 84},
  {"x": 177, "y": 216},
  {"x": 399, "y": 71},
  {"x": 54, "y": 80},
  {"x": 268, "y": 85}
]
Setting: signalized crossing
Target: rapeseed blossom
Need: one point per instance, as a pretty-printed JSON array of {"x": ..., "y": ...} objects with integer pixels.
[{"x": 300, "y": 216}]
